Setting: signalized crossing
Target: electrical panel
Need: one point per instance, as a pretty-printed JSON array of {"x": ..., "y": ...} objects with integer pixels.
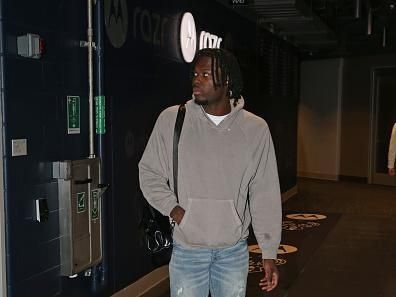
[{"x": 79, "y": 194}]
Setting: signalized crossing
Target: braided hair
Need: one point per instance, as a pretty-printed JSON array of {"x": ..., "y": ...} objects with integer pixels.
[{"x": 225, "y": 70}]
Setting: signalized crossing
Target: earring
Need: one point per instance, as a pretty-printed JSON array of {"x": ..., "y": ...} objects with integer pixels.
[{"x": 230, "y": 93}]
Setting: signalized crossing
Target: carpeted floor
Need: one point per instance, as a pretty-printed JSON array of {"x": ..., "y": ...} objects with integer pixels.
[
  {"x": 302, "y": 235},
  {"x": 341, "y": 242},
  {"x": 358, "y": 257}
]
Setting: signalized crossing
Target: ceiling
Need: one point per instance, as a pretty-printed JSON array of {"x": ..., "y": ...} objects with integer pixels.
[{"x": 327, "y": 28}]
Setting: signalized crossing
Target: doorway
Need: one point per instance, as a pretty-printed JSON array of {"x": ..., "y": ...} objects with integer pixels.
[{"x": 383, "y": 116}]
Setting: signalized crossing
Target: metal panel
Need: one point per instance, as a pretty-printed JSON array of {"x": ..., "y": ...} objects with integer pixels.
[{"x": 79, "y": 214}]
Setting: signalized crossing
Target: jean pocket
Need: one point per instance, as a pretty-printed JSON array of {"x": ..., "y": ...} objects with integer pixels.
[{"x": 212, "y": 223}]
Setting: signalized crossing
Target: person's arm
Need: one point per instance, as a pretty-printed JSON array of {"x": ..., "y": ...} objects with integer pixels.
[
  {"x": 392, "y": 152},
  {"x": 154, "y": 167},
  {"x": 266, "y": 209}
]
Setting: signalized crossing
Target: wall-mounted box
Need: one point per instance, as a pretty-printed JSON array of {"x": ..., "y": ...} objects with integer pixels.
[
  {"x": 79, "y": 195},
  {"x": 30, "y": 46}
]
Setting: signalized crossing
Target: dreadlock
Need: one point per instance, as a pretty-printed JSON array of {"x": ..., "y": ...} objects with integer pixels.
[{"x": 225, "y": 68}]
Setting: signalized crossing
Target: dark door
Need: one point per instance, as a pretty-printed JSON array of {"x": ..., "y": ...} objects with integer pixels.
[{"x": 383, "y": 118}]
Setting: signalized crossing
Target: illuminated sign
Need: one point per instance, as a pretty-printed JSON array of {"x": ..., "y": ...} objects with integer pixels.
[
  {"x": 188, "y": 38},
  {"x": 209, "y": 40}
]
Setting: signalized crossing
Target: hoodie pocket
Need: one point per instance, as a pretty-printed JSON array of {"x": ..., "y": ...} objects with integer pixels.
[{"x": 213, "y": 223}]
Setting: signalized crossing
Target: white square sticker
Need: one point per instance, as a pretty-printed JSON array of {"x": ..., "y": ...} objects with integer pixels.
[{"x": 19, "y": 147}]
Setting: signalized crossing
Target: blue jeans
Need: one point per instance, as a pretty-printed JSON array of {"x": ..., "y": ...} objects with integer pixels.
[{"x": 195, "y": 271}]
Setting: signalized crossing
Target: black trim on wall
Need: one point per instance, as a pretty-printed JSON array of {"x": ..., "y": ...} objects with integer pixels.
[{"x": 355, "y": 179}]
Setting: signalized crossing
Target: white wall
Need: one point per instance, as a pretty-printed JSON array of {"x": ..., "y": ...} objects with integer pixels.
[{"x": 319, "y": 119}]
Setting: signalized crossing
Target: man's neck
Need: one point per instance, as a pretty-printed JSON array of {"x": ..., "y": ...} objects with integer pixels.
[{"x": 219, "y": 109}]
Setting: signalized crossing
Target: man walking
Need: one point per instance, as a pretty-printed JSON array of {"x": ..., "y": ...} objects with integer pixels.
[{"x": 227, "y": 179}]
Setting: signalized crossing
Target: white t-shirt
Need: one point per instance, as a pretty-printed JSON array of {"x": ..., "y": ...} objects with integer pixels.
[{"x": 216, "y": 119}]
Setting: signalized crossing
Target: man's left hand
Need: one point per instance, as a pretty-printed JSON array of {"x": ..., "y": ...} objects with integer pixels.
[{"x": 271, "y": 275}]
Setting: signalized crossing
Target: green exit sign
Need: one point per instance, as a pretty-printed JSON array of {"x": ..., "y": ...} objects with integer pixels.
[{"x": 73, "y": 115}]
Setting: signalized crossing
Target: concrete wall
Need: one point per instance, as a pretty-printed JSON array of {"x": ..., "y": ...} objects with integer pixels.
[
  {"x": 334, "y": 116},
  {"x": 319, "y": 119}
]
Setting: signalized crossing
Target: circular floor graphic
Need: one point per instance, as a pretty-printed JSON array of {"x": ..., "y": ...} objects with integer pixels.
[
  {"x": 286, "y": 249},
  {"x": 306, "y": 216},
  {"x": 256, "y": 263},
  {"x": 293, "y": 225},
  {"x": 283, "y": 249}
]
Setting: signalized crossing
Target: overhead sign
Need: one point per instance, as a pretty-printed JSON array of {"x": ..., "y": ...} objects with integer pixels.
[{"x": 188, "y": 38}]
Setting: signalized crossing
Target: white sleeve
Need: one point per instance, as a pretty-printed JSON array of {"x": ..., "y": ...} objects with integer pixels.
[{"x": 392, "y": 148}]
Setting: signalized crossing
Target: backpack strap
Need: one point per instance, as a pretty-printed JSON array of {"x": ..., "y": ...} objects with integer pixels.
[{"x": 176, "y": 137}]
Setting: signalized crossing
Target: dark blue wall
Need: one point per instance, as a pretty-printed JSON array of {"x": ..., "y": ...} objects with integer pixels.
[
  {"x": 35, "y": 102},
  {"x": 143, "y": 76}
]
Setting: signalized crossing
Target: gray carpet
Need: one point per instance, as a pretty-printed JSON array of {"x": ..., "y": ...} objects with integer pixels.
[
  {"x": 354, "y": 256},
  {"x": 358, "y": 257}
]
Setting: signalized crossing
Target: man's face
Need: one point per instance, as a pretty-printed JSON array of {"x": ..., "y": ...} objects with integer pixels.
[{"x": 202, "y": 83}]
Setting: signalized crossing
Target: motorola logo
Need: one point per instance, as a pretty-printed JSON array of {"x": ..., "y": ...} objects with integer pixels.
[
  {"x": 188, "y": 38},
  {"x": 116, "y": 20}
]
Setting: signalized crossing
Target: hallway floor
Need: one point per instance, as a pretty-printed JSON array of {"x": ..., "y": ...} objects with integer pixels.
[{"x": 340, "y": 241}]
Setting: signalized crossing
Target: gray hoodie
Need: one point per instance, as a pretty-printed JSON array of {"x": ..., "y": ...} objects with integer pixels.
[{"x": 227, "y": 178}]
